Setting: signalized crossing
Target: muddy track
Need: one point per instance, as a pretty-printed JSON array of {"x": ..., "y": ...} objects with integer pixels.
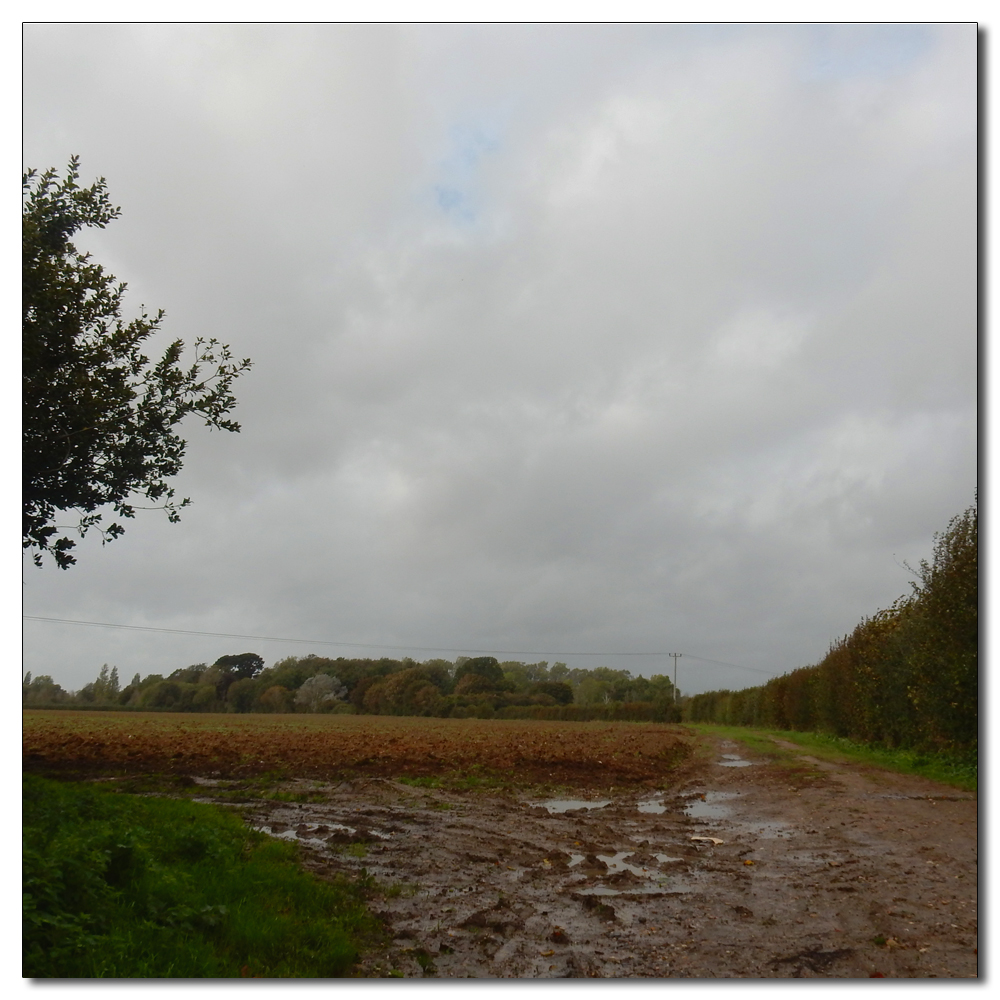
[
  {"x": 681, "y": 856},
  {"x": 824, "y": 871}
]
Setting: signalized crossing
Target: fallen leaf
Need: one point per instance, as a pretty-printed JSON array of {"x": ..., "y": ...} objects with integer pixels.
[
  {"x": 547, "y": 954},
  {"x": 711, "y": 840}
]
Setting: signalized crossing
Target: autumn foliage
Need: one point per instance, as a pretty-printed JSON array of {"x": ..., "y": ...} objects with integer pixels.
[{"x": 908, "y": 676}]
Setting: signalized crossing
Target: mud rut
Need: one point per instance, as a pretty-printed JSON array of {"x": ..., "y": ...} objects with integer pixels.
[{"x": 858, "y": 874}]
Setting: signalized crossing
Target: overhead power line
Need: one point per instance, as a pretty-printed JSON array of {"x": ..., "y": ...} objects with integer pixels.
[
  {"x": 357, "y": 645},
  {"x": 739, "y": 666}
]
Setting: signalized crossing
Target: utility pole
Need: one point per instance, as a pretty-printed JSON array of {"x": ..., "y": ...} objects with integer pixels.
[{"x": 676, "y": 657}]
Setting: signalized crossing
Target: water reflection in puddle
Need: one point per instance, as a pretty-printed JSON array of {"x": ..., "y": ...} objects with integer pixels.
[
  {"x": 617, "y": 863},
  {"x": 316, "y": 835},
  {"x": 654, "y": 881},
  {"x": 565, "y": 805},
  {"x": 733, "y": 760},
  {"x": 664, "y": 885},
  {"x": 293, "y": 836},
  {"x": 652, "y": 806},
  {"x": 710, "y": 807}
]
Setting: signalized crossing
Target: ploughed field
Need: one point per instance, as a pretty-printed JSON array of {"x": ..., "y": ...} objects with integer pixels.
[
  {"x": 590, "y": 754},
  {"x": 550, "y": 849}
]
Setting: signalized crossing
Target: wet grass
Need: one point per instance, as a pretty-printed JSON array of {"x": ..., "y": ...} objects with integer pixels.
[
  {"x": 470, "y": 780},
  {"x": 960, "y": 772},
  {"x": 124, "y": 886},
  {"x": 420, "y": 782},
  {"x": 401, "y": 890},
  {"x": 279, "y": 796}
]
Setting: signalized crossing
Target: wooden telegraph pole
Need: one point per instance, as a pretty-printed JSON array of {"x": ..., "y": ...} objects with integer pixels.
[{"x": 676, "y": 657}]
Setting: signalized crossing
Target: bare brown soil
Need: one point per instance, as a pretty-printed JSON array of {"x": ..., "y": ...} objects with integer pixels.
[
  {"x": 338, "y": 746},
  {"x": 788, "y": 867}
]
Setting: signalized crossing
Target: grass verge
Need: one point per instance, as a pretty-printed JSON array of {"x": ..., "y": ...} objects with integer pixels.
[
  {"x": 120, "y": 886},
  {"x": 950, "y": 769}
]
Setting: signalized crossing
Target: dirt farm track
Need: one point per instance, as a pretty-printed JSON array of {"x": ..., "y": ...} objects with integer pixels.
[{"x": 599, "y": 850}]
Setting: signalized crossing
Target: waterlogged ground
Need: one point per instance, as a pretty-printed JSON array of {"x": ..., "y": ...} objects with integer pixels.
[{"x": 725, "y": 864}]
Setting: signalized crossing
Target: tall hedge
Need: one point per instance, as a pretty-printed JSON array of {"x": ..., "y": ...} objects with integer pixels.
[{"x": 908, "y": 676}]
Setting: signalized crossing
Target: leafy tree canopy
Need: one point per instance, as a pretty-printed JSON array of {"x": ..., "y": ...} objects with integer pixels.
[
  {"x": 559, "y": 690},
  {"x": 486, "y": 667},
  {"x": 318, "y": 691},
  {"x": 99, "y": 417},
  {"x": 241, "y": 665}
]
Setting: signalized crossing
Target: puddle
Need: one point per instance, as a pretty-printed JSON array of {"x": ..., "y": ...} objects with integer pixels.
[
  {"x": 316, "y": 835},
  {"x": 650, "y": 889},
  {"x": 652, "y": 806},
  {"x": 733, "y": 761},
  {"x": 293, "y": 836},
  {"x": 654, "y": 882},
  {"x": 710, "y": 807},
  {"x": 565, "y": 805},
  {"x": 617, "y": 863}
]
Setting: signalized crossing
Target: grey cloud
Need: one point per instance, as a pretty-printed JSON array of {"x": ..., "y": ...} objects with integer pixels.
[{"x": 684, "y": 357}]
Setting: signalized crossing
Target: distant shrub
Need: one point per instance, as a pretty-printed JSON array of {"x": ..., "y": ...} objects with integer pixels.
[
  {"x": 275, "y": 699},
  {"x": 241, "y": 695}
]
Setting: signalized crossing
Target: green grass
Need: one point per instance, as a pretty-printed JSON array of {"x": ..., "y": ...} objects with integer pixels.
[
  {"x": 279, "y": 796},
  {"x": 476, "y": 778},
  {"x": 404, "y": 890},
  {"x": 120, "y": 886},
  {"x": 955, "y": 770},
  {"x": 421, "y": 782}
]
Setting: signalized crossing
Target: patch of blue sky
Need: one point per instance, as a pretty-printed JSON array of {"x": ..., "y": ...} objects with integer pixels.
[
  {"x": 458, "y": 190},
  {"x": 842, "y": 52}
]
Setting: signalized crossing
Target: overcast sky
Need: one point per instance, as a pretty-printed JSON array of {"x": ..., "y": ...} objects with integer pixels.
[{"x": 566, "y": 339}]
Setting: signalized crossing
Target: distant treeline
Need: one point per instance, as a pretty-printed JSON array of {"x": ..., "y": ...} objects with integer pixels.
[
  {"x": 471, "y": 687},
  {"x": 907, "y": 677}
]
